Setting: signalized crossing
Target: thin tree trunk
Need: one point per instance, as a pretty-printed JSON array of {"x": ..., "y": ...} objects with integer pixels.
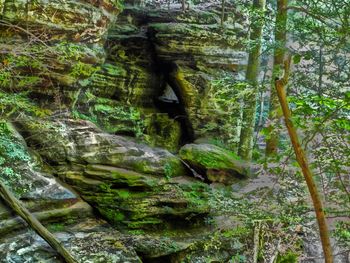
[
  {"x": 183, "y": 5},
  {"x": 14, "y": 203},
  {"x": 280, "y": 40},
  {"x": 304, "y": 165},
  {"x": 247, "y": 133},
  {"x": 222, "y": 12},
  {"x": 261, "y": 114},
  {"x": 320, "y": 71}
]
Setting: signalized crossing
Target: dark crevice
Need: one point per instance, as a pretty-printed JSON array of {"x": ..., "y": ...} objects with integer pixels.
[
  {"x": 173, "y": 107},
  {"x": 163, "y": 259},
  {"x": 126, "y": 133},
  {"x": 162, "y": 71}
]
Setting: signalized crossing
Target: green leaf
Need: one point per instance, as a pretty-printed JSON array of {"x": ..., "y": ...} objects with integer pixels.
[{"x": 296, "y": 59}]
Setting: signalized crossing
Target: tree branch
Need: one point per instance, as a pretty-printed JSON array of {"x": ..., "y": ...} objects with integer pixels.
[{"x": 316, "y": 16}]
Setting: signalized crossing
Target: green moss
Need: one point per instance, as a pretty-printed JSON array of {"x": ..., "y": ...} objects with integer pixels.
[
  {"x": 123, "y": 193},
  {"x": 219, "y": 164},
  {"x": 105, "y": 187},
  {"x": 13, "y": 155},
  {"x": 145, "y": 223},
  {"x": 112, "y": 215},
  {"x": 162, "y": 131},
  {"x": 82, "y": 70},
  {"x": 342, "y": 232},
  {"x": 240, "y": 231},
  {"x": 114, "y": 70},
  {"x": 56, "y": 227},
  {"x": 33, "y": 65},
  {"x": 121, "y": 176},
  {"x": 13, "y": 71},
  {"x": 110, "y": 115},
  {"x": 70, "y": 51},
  {"x": 168, "y": 170},
  {"x": 289, "y": 257},
  {"x": 196, "y": 195},
  {"x": 13, "y": 104},
  {"x": 216, "y": 161},
  {"x": 118, "y": 216}
]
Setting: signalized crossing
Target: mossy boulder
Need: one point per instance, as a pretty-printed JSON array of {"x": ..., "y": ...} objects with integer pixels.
[
  {"x": 218, "y": 164},
  {"x": 79, "y": 141},
  {"x": 139, "y": 201},
  {"x": 120, "y": 176}
]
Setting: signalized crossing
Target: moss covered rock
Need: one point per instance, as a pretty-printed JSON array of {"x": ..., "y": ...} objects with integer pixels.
[
  {"x": 218, "y": 164},
  {"x": 199, "y": 54},
  {"x": 139, "y": 201},
  {"x": 144, "y": 124},
  {"x": 79, "y": 141},
  {"x": 75, "y": 20}
]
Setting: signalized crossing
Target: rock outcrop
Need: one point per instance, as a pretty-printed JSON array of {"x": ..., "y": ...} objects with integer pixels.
[
  {"x": 129, "y": 183},
  {"x": 95, "y": 106},
  {"x": 189, "y": 53}
]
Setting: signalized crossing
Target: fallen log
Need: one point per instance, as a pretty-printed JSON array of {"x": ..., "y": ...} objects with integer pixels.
[
  {"x": 23, "y": 212},
  {"x": 79, "y": 210}
]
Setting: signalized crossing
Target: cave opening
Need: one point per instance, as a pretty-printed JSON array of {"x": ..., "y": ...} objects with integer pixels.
[{"x": 170, "y": 101}]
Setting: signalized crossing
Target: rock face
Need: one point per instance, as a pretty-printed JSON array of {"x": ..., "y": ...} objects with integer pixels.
[
  {"x": 151, "y": 49},
  {"x": 101, "y": 101},
  {"x": 109, "y": 126},
  {"x": 137, "y": 201},
  {"x": 89, "y": 240},
  {"x": 59, "y": 208},
  {"x": 198, "y": 53},
  {"x": 79, "y": 141},
  {"x": 65, "y": 42},
  {"x": 193, "y": 52},
  {"x": 115, "y": 80},
  {"x": 129, "y": 183}
]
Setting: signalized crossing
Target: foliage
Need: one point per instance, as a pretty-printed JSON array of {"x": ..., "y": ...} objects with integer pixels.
[
  {"x": 227, "y": 95},
  {"x": 342, "y": 233},
  {"x": 13, "y": 155},
  {"x": 14, "y": 105},
  {"x": 37, "y": 65},
  {"x": 289, "y": 257}
]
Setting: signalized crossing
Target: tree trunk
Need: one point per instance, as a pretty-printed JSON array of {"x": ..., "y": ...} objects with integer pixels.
[
  {"x": 183, "y": 2},
  {"x": 222, "y": 12},
  {"x": 14, "y": 203},
  {"x": 320, "y": 71},
  {"x": 280, "y": 41},
  {"x": 304, "y": 165},
  {"x": 252, "y": 74}
]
